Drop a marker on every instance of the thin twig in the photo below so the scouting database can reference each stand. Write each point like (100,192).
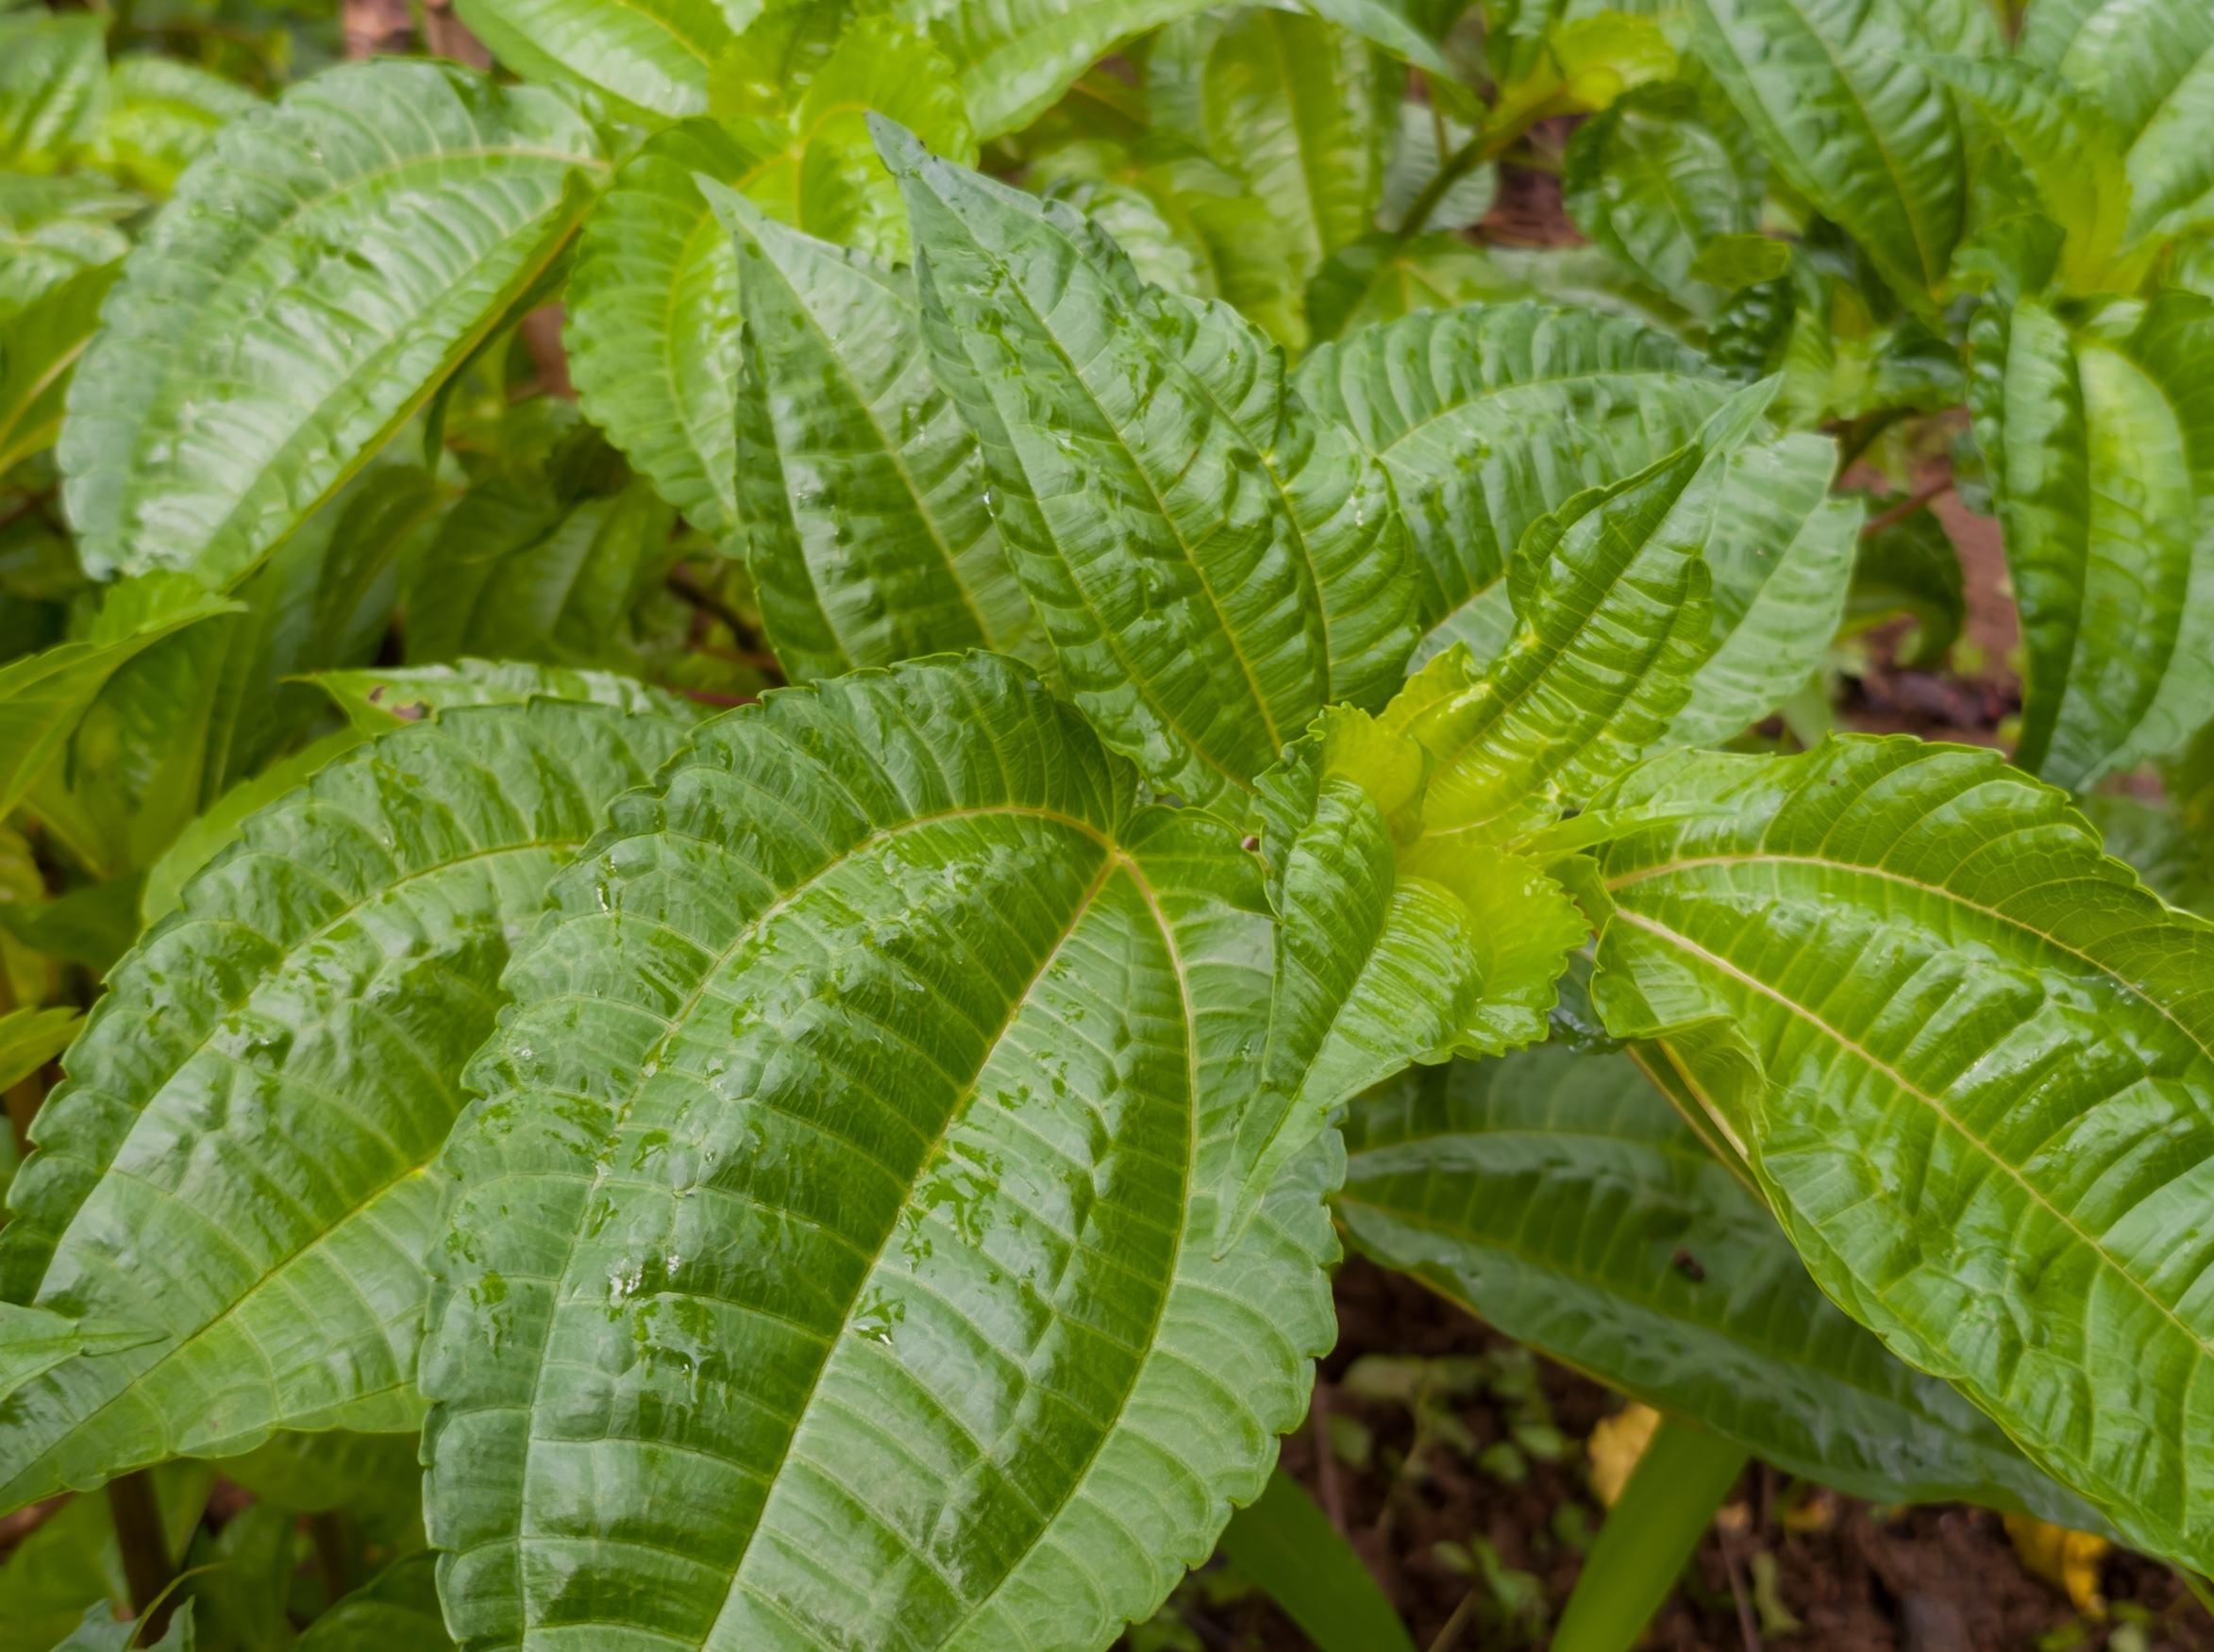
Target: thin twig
(1748,1625)
(1907,507)
(1333,1494)
(1455,1624)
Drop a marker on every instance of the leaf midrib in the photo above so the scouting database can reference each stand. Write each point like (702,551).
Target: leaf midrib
(2064,1221)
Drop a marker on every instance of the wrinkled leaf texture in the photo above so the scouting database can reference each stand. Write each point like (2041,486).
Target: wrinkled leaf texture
(239,1159)
(309,285)
(831,1263)
(1975,1079)
(1015,58)
(1552,1192)
(1211,561)
(866,529)
(647,58)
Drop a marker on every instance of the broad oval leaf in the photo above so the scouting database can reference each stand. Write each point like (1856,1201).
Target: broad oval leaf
(1834,92)
(830,1262)
(396,1608)
(302,1023)
(313,281)
(647,58)
(652,328)
(1558,1197)
(866,528)
(1491,416)
(1973,1072)
(162,115)
(1212,562)
(2103,471)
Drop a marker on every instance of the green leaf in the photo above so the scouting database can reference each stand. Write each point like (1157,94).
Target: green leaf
(1652,184)
(53,73)
(162,114)
(1212,562)
(1381,278)
(33,1341)
(1546,402)
(397,1608)
(44,695)
(103,1632)
(1423,140)
(652,329)
(1648,1536)
(31,1038)
(339,964)
(649,58)
(327,266)
(2102,451)
(1835,93)
(72,1558)
(1908,566)
(1288,1547)
(1781,553)
(1388,23)
(1390,947)
(1989,1099)
(521,571)
(39,345)
(1550,1193)
(1015,58)
(841,1294)
(53,227)
(93,924)
(375,1477)
(2072,153)
(1302,110)
(868,533)
(384,697)
(2159,847)
(2149,64)
(1734,262)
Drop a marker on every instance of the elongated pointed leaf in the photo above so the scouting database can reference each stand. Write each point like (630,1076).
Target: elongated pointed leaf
(1612,618)
(302,1022)
(1844,111)
(647,58)
(1287,1545)
(1490,417)
(39,345)
(1381,278)
(313,281)
(162,114)
(1781,553)
(34,1340)
(381,698)
(2103,476)
(44,695)
(1552,1193)
(1973,1075)
(1212,562)
(397,1608)
(1015,58)
(52,227)
(866,530)
(53,70)
(838,1294)
(652,328)
(1300,109)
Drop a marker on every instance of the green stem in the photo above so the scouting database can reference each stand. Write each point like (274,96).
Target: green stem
(1464,160)
(145,1551)
(1649,1536)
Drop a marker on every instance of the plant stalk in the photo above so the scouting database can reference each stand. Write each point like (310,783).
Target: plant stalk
(147,1566)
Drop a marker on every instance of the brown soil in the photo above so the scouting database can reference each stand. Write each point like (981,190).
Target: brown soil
(1941,1579)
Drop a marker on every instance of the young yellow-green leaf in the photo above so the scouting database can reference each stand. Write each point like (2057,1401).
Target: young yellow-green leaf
(649,58)
(315,278)
(1975,1078)
(866,530)
(1492,416)
(1390,947)
(831,1263)
(1212,562)
(652,329)
(1015,58)
(1833,91)
(162,114)
(1302,110)
(2103,469)
(31,1038)
(1552,1193)
(2149,64)
(2070,151)
(1612,617)
(39,345)
(44,695)
(53,81)
(336,967)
